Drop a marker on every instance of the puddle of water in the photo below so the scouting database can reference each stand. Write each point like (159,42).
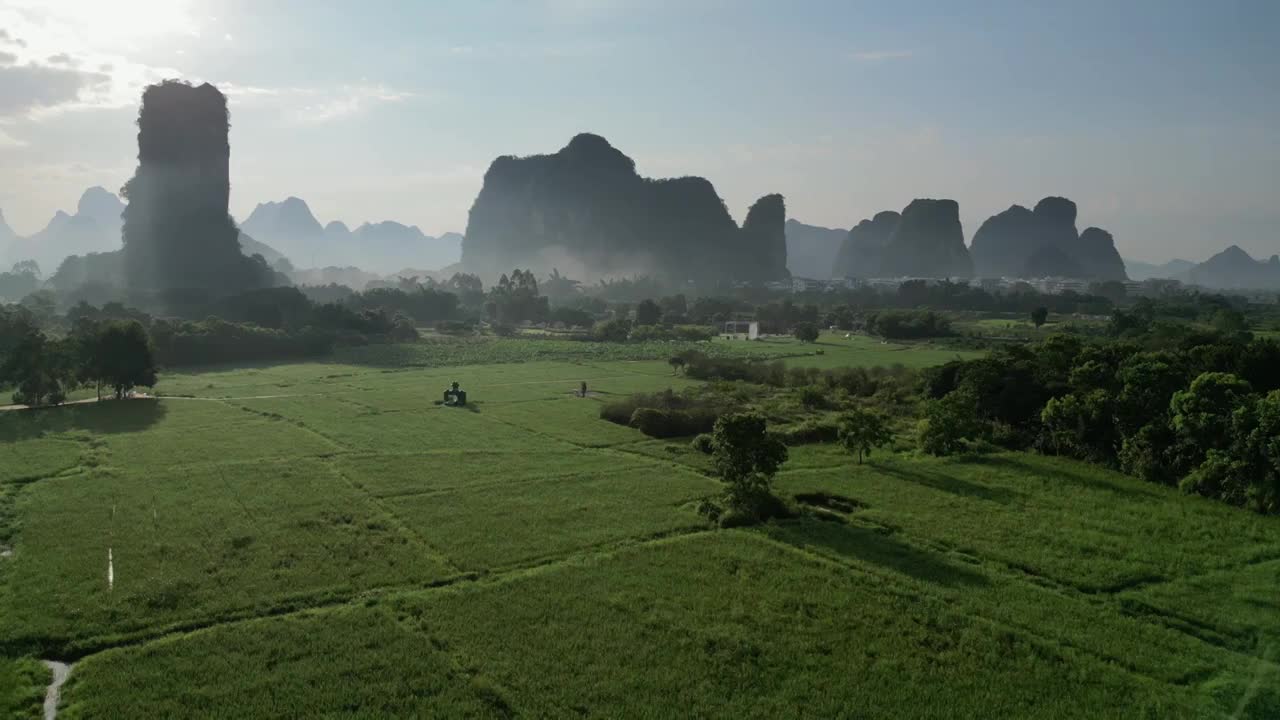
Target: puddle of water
(60,673)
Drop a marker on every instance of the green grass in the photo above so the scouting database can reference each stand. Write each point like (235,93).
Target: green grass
(321,540)
(865,351)
(22,684)
(353,662)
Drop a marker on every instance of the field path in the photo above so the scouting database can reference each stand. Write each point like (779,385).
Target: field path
(60,673)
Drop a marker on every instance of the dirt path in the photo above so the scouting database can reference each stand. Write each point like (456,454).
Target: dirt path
(60,673)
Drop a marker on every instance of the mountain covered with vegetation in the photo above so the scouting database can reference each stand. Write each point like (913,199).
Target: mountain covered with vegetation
(587,208)
(1044,243)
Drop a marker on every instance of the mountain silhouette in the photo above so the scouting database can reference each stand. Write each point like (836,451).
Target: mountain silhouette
(1235,269)
(383,247)
(95,227)
(862,252)
(1044,243)
(812,249)
(585,207)
(928,242)
(1174,269)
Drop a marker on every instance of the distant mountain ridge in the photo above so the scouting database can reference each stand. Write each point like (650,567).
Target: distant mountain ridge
(1174,269)
(387,246)
(95,227)
(812,249)
(1235,269)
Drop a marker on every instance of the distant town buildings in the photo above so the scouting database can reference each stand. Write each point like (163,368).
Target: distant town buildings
(1047,285)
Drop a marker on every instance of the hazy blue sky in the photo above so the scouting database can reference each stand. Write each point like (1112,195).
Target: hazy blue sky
(1159,118)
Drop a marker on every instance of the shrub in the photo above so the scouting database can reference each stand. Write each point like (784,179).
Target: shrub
(666,414)
(453,327)
(702,443)
(612,330)
(805,331)
(807,433)
(812,396)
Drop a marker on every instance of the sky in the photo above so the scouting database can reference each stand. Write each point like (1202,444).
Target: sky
(1160,119)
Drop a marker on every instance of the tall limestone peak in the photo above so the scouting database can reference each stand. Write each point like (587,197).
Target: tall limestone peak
(862,253)
(928,242)
(1096,252)
(1004,242)
(1057,210)
(764,240)
(585,204)
(177,231)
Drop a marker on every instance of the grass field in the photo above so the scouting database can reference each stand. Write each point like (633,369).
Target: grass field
(321,540)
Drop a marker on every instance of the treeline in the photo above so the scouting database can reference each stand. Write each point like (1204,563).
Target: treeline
(1202,414)
(112,354)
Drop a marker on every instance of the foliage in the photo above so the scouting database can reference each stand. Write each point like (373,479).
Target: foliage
(1040,316)
(907,324)
(668,413)
(424,305)
(616,330)
(862,431)
(648,313)
(805,332)
(515,299)
(571,317)
(746,457)
(41,369)
(949,424)
(19,282)
(687,333)
(119,355)
(807,432)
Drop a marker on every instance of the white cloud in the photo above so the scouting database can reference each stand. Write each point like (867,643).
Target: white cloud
(9,141)
(314,106)
(879,56)
(50,45)
(346,101)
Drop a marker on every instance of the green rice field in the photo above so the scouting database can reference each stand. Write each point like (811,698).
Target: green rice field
(322,540)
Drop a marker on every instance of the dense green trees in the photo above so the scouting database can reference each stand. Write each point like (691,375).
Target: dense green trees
(114,353)
(515,299)
(907,324)
(21,281)
(118,355)
(1182,414)
(805,332)
(1040,316)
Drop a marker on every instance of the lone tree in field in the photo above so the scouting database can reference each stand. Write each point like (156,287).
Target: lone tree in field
(1040,316)
(746,457)
(677,364)
(805,332)
(120,356)
(862,431)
